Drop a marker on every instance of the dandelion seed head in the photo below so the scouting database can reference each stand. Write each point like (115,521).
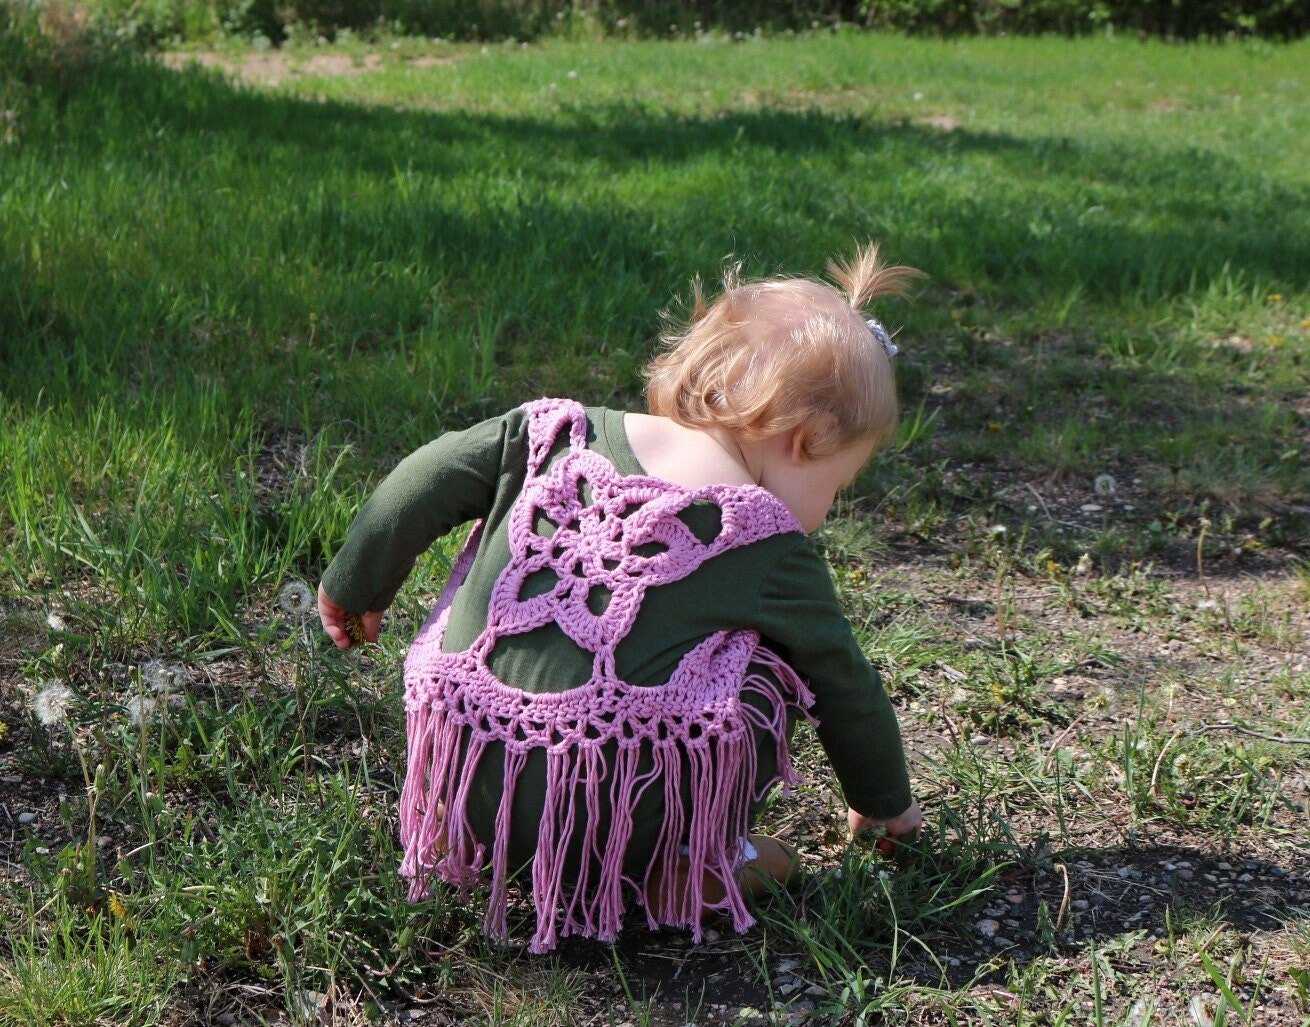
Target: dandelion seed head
(1105,485)
(52,703)
(141,708)
(163,678)
(55,622)
(1084,565)
(296,599)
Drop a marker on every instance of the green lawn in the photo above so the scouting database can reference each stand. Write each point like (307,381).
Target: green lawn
(231,300)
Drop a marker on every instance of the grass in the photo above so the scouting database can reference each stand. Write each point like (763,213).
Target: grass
(229,304)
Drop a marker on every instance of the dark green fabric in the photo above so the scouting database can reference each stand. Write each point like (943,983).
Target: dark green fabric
(779,586)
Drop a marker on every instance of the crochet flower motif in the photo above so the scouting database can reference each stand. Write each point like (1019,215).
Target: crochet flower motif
(587,541)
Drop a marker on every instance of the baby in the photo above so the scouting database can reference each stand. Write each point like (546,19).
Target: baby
(605,690)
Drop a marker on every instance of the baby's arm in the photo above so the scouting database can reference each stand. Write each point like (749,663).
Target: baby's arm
(799,611)
(437,487)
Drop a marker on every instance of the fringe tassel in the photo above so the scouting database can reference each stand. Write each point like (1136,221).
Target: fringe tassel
(496,920)
(444,751)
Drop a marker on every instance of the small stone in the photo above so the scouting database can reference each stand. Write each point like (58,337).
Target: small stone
(1245,877)
(987,928)
(798,1014)
(711,936)
(1211,878)
(995,911)
(104,841)
(748,1015)
(1224,866)
(27,818)
(1186,874)
(1000,941)
(815,989)
(1090,508)
(1011,923)
(1014,898)
(1080,904)
(1145,899)
(788,965)
(12,779)
(226,1019)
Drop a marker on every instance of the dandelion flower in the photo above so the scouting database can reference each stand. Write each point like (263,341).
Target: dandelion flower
(296,599)
(52,703)
(118,908)
(1105,485)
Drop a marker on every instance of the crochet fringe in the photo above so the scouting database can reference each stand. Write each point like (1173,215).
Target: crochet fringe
(454,709)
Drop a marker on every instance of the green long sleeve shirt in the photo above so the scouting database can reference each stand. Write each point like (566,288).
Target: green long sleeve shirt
(780,586)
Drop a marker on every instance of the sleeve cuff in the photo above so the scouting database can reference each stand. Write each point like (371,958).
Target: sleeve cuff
(882,805)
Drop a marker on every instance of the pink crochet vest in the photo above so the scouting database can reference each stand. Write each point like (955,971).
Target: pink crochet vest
(455,705)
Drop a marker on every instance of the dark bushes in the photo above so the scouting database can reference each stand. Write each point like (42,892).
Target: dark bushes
(159,20)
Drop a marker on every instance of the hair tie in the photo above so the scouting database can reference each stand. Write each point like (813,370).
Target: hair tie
(880,333)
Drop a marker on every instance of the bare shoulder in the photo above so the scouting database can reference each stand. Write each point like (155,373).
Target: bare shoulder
(681,455)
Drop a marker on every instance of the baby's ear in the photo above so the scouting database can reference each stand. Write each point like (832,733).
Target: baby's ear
(815,428)
(798,443)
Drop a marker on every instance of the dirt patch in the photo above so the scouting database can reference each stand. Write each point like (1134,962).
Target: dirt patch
(430,61)
(941,122)
(274,66)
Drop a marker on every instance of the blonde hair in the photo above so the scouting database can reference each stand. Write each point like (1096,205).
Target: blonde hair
(771,355)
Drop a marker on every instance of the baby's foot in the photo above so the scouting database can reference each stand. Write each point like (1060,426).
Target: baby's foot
(775,862)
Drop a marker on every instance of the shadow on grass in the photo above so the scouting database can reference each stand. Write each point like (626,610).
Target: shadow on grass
(995,208)
(1216,216)
(1188,894)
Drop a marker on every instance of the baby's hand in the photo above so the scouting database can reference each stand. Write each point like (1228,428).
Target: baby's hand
(337,622)
(902,827)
